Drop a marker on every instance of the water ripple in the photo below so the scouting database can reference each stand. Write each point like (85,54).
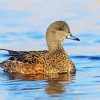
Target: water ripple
(4,55)
(87,57)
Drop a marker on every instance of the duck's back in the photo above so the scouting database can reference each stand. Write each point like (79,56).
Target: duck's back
(30,57)
(32,62)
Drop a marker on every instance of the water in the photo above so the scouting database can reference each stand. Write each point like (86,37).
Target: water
(84,85)
(22,27)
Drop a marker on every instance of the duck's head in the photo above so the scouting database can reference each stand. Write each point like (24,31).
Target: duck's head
(58,31)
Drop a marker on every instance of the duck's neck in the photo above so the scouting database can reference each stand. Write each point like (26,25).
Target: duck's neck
(52,43)
(55,46)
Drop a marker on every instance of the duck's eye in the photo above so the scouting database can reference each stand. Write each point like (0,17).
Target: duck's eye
(60,28)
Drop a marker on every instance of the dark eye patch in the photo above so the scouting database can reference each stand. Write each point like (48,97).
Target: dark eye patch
(60,28)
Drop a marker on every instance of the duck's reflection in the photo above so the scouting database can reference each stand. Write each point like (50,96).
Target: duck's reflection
(55,82)
(54,87)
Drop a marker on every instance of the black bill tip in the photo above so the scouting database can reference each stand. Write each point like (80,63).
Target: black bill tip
(77,39)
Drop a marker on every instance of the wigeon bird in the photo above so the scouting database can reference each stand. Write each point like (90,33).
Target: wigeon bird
(53,60)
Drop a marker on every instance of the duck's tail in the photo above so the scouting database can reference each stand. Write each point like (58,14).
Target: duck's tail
(1,65)
(11,52)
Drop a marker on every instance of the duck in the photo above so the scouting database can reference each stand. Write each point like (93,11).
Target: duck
(55,60)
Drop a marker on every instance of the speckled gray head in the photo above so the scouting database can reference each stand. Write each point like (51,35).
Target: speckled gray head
(58,31)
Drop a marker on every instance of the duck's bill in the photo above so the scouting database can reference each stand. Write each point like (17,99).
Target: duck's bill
(73,38)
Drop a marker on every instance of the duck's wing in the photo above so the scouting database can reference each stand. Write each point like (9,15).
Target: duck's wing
(28,57)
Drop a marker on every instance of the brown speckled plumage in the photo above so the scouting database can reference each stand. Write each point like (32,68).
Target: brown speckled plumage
(55,60)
